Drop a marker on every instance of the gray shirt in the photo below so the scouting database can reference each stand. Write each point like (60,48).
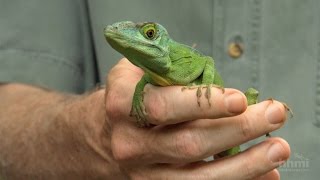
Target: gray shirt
(60,44)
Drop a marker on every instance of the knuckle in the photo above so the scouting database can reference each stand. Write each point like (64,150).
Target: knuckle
(122,151)
(113,109)
(156,107)
(248,169)
(188,144)
(114,71)
(119,152)
(245,126)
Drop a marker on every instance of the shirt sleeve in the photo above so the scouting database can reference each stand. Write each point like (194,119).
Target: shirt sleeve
(47,43)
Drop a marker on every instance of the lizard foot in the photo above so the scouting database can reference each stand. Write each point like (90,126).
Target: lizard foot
(288,109)
(138,110)
(199,91)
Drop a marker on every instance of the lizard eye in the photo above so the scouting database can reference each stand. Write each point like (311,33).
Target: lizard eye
(149,31)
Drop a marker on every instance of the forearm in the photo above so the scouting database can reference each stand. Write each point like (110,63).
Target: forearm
(44,133)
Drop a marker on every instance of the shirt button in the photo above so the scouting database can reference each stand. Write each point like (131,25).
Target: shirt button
(235,50)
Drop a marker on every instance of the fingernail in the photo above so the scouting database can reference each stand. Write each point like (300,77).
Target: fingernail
(235,103)
(276,153)
(273,114)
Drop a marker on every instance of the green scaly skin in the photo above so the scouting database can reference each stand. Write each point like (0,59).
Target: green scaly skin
(165,62)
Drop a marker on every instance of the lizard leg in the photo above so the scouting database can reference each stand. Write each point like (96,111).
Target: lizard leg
(138,109)
(211,78)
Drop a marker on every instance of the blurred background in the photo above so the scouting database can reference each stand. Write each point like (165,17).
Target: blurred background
(273,46)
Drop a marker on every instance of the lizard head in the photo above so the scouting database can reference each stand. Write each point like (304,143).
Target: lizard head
(145,44)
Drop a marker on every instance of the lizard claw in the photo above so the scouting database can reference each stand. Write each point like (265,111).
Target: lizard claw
(208,94)
(268,135)
(208,91)
(288,109)
(219,87)
(199,94)
(199,91)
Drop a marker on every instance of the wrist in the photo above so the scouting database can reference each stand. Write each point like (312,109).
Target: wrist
(87,117)
(43,130)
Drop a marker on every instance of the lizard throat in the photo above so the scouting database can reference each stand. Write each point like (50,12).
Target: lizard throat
(159,80)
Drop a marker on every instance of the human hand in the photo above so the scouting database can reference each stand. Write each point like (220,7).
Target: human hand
(50,135)
(185,134)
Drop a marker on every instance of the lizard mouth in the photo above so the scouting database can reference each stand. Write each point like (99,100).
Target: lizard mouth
(114,38)
(111,33)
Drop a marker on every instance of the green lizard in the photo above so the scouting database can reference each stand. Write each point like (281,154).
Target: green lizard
(165,62)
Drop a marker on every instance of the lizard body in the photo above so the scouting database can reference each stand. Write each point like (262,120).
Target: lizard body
(165,62)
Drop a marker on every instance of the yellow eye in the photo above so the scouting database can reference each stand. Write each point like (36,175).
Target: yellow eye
(149,31)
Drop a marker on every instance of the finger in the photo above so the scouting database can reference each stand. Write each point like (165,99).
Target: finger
(272,175)
(170,105)
(195,140)
(199,139)
(254,162)
(258,120)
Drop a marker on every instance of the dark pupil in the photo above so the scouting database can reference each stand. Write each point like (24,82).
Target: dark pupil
(150,33)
